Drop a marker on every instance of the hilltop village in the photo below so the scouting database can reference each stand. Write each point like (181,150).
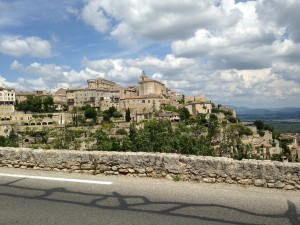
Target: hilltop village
(143,117)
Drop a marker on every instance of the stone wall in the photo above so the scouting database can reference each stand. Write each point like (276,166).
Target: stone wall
(173,166)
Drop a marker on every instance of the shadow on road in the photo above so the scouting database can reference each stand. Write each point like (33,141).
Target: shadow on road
(135,203)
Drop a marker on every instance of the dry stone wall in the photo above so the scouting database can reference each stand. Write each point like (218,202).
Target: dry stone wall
(158,165)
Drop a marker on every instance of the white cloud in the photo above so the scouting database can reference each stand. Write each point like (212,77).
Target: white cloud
(201,44)
(245,52)
(33,46)
(93,14)
(268,87)
(252,87)
(156,19)
(123,34)
(51,76)
(16,65)
(7,84)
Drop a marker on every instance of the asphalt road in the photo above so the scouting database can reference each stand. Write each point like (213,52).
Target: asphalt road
(129,200)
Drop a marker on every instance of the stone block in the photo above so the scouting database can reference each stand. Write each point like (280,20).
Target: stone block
(149,169)
(131,170)
(140,170)
(289,187)
(209,180)
(114,168)
(123,171)
(259,182)
(229,180)
(245,182)
(279,184)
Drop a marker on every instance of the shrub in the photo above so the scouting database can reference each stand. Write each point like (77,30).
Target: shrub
(121,132)
(232,119)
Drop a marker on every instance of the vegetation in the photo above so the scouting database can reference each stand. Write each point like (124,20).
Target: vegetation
(260,125)
(111,112)
(127,115)
(170,108)
(202,134)
(91,113)
(184,114)
(36,104)
(10,141)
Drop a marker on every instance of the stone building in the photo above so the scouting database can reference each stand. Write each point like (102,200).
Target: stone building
(197,107)
(37,119)
(101,98)
(172,116)
(60,98)
(7,100)
(101,83)
(148,86)
(142,102)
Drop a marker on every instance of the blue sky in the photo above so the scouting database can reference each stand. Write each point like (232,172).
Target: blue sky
(243,53)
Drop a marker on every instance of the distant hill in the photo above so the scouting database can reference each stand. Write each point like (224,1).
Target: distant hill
(287,113)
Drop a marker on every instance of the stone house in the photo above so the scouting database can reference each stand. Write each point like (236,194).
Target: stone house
(7,100)
(148,86)
(197,107)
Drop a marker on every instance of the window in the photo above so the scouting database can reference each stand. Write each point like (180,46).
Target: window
(143,101)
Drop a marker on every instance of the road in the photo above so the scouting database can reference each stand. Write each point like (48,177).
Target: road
(130,200)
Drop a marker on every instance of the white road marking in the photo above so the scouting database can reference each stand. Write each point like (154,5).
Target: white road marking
(57,179)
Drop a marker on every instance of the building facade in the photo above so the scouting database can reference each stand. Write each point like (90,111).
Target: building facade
(7,100)
(148,86)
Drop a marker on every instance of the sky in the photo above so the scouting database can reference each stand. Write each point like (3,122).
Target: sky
(242,53)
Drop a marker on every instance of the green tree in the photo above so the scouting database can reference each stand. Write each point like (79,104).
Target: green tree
(36,104)
(107,114)
(117,114)
(184,114)
(127,115)
(169,108)
(103,142)
(48,104)
(91,113)
(121,132)
(12,139)
(2,141)
(259,124)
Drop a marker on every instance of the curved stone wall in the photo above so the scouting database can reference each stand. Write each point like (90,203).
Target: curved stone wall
(259,173)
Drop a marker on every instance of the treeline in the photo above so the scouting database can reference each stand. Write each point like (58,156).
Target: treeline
(36,104)
(201,137)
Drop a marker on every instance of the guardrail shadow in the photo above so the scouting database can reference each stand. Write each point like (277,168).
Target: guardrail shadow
(136,203)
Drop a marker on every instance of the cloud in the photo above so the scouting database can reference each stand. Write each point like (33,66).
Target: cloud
(123,34)
(281,13)
(203,43)
(33,46)
(157,20)
(269,86)
(93,14)
(7,84)
(244,52)
(51,76)
(190,76)
(288,71)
